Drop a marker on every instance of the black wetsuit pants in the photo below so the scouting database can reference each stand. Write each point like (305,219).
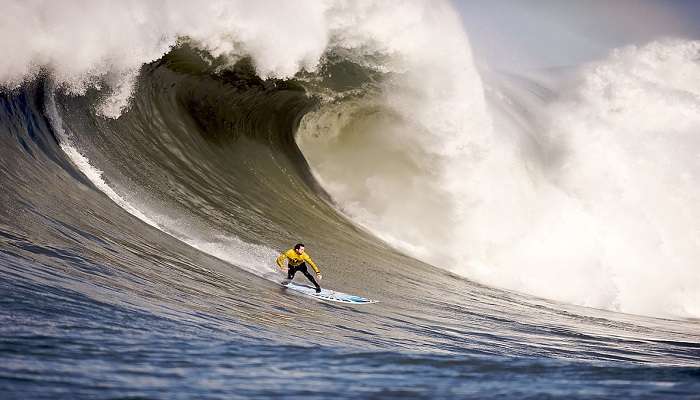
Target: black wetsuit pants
(291,270)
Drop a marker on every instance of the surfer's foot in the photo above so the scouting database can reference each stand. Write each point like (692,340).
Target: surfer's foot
(286,282)
(318,290)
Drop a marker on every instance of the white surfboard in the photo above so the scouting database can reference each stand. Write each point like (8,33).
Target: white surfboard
(328,295)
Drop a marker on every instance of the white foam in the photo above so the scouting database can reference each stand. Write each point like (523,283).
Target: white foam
(398,163)
(82,43)
(605,214)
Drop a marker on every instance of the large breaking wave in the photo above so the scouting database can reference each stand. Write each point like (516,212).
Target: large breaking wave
(584,190)
(580,186)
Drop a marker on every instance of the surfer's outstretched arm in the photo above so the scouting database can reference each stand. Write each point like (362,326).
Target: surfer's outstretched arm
(280,261)
(309,261)
(313,265)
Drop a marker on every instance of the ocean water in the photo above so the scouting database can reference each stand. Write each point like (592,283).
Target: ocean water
(527,235)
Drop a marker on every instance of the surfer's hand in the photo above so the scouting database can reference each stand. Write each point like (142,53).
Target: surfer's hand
(319,276)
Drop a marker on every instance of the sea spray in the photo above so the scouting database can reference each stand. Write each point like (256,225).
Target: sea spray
(598,208)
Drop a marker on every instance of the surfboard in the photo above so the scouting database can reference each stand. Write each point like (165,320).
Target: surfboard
(328,295)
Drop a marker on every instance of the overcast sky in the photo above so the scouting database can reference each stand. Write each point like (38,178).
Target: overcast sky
(516,34)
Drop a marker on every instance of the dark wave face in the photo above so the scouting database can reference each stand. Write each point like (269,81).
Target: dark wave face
(132,255)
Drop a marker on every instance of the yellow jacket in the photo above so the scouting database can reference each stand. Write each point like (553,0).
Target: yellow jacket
(296,259)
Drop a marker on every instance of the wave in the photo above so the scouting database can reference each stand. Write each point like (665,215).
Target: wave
(235,141)
(577,179)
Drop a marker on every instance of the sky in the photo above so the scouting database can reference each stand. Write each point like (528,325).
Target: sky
(517,34)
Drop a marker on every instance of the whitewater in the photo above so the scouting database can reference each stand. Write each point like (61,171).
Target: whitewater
(157,156)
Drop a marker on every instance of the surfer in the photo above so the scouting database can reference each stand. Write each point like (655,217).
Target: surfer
(297,262)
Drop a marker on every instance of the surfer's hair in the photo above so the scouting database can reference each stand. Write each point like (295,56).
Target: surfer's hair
(298,246)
